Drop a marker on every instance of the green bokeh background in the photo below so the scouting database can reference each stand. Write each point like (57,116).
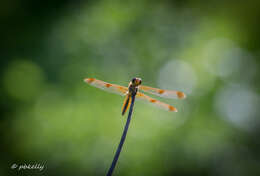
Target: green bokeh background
(208,49)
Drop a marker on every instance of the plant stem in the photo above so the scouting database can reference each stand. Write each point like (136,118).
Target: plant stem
(119,148)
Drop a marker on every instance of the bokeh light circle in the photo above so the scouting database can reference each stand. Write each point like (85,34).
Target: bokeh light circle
(23,80)
(178,75)
(238,105)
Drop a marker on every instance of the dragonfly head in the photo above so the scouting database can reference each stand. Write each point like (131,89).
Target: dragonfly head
(136,81)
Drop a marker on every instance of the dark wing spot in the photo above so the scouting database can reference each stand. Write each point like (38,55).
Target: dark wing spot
(171,108)
(108,85)
(120,88)
(161,91)
(181,95)
(152,100)
(89,80)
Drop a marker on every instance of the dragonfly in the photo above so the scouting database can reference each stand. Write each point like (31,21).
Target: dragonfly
(133,88)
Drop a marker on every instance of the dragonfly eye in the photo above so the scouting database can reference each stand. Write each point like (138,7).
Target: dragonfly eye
(136,81)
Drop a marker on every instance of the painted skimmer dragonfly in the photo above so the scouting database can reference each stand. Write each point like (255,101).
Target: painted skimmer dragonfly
(134,87)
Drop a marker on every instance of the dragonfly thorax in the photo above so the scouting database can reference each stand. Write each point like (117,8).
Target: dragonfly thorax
(132,89)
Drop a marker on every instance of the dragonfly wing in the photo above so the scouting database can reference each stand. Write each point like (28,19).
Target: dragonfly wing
(157,103)
(113,88)
(163,93)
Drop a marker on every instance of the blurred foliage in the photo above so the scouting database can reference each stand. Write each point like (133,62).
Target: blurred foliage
(210,50)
